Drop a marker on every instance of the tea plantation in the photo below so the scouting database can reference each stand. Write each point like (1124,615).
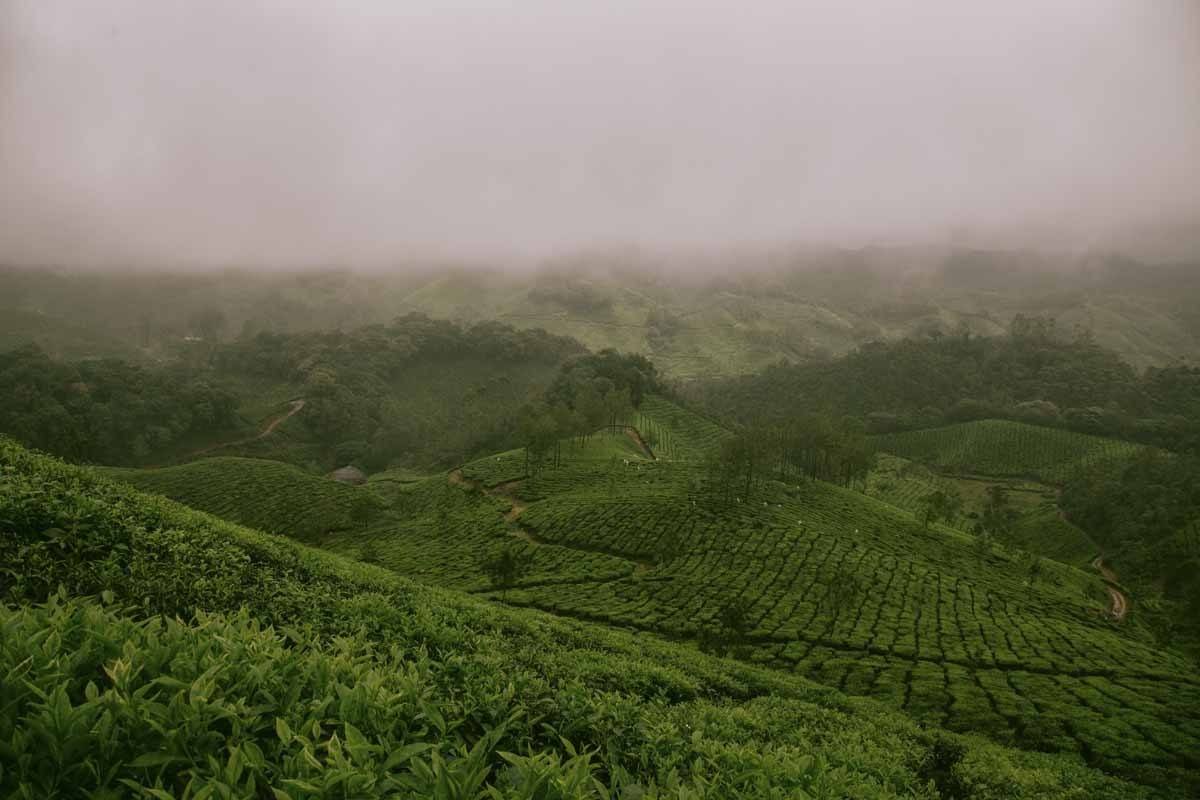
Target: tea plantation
(269,495)
(806,581)
(1001,447)
(149,650)
(1037,525)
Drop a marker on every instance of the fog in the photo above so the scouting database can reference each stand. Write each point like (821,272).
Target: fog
(238,133)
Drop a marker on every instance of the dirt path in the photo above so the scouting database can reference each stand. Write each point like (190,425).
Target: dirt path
(636,435)
(268,429)
(1119,604)
(508,491)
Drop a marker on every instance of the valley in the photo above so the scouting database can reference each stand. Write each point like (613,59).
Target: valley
(935,553)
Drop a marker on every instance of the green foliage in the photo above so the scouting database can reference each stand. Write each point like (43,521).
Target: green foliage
(267,495)
(507,566)
(682,434)
(857,594)
(1146,514)
(417,390)
(107,411)
(1002,448)
(1034,375)
(605,371)
(367,685)
(941,504)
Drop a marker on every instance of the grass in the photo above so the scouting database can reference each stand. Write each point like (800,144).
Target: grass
(220,661)
(1004,448)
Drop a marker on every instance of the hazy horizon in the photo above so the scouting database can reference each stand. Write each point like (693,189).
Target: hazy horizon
(371,134)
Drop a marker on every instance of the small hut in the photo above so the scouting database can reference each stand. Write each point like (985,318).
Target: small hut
(349,474)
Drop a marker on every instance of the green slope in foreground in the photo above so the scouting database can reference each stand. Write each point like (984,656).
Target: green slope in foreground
(832,586)
(294,673)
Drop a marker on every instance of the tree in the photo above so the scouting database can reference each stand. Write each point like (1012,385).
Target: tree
(731,628)
(941,504)
(1035,569)
(589,402)
(617,406)
(998,516)
(208,323)
(843,588)
(539,434)
(506,566)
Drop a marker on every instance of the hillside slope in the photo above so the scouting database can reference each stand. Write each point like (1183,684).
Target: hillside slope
(369,685)
(268,495)
(698,315)
(809,579)
(1005,448)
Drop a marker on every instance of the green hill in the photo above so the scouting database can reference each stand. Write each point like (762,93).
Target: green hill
(1038,525)
(282,668)
(1004,448)
(713,315)
(812,580)
(268,495)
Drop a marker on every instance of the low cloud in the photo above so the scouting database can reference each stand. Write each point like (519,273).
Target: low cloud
(265,134)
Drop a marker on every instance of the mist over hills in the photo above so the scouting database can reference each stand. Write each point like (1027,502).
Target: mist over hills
(706,312)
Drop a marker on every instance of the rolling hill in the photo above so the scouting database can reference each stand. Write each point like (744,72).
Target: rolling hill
(323,677)
(809,580)
(698,315)
(1007,449)
(268,495)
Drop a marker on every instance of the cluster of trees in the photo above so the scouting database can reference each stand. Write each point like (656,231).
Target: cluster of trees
(603,372)
(108,411)
(361,407)
(813,446)
(1037,374)
(590,393)
(1146,515)
(383,351)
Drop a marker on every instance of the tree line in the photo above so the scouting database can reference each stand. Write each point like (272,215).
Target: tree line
(107,411)
(1037,373)
(812,446)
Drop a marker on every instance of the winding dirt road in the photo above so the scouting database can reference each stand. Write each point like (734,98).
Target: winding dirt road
(1119,603)
(268,429)
(508,491)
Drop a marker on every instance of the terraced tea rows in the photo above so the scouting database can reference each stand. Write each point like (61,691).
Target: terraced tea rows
(346,681)
(854,594)
(1037,526)
(268,495)
(825,582)
(1001,447)
(676,433)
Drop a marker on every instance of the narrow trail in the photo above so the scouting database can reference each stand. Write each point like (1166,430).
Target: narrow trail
(508,492)
(268,429)
(1119,603)
(636,435)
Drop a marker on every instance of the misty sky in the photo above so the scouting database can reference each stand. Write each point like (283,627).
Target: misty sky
(236,132)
